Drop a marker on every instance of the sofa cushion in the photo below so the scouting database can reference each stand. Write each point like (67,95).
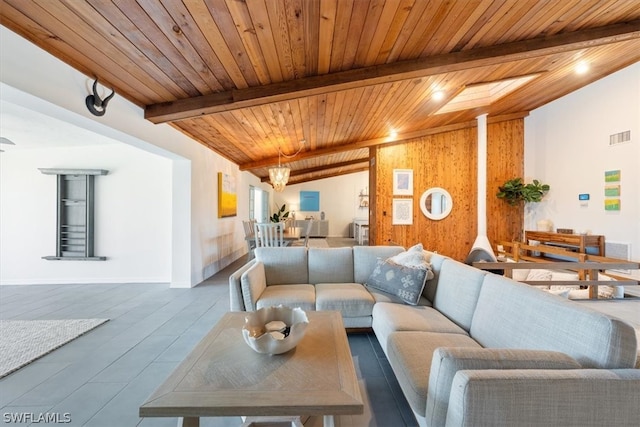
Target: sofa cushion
(410,355)
(380,296)
(330,265)
(390,317)
(524,397)
(405,283)
(430,287)
(253,283)
(303,296)
(457,293)
(350,299)
(447,361)
(531,319)
(365,258)
(284,265)
(357,322)
(236,299)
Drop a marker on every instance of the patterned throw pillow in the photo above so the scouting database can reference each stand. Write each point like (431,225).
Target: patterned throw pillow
(404,282)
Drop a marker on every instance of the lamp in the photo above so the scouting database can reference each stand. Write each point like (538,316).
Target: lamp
(279,176)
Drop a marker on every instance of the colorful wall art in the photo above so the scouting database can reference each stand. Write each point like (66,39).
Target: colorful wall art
(612,190)
(227,197)
(309,201)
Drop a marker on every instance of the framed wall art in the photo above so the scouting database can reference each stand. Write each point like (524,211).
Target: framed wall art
(403,182)
(402,212)
(309,201)
(227,197)
(612,190)
(611,204)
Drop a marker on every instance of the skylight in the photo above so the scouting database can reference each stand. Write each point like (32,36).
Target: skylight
(483,94)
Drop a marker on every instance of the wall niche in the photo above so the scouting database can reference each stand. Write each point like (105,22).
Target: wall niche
(75,219)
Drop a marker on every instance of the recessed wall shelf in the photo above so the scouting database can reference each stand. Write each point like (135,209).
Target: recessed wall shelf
(75,219)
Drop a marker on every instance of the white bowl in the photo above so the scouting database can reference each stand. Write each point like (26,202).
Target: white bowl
(260,340)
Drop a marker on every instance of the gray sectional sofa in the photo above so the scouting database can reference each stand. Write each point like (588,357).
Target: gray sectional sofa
(477,350)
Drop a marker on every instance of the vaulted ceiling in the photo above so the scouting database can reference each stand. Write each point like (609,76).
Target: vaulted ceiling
(249,77)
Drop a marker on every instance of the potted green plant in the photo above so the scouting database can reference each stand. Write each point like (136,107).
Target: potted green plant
(280,214)
(515,191)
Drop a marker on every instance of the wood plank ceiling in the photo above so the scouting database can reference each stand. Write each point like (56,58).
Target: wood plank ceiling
(247,77)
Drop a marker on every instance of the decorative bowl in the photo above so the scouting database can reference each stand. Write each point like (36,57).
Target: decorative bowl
(274,330)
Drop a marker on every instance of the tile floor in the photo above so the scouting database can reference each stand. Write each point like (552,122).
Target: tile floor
(101,378)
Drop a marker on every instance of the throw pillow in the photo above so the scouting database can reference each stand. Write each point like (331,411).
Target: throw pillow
(404,282)
(519,275)
(539,275)
(414,257)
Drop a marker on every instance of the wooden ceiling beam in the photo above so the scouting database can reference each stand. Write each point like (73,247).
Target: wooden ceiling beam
(331,175)
(322,168)
(244,98)
(329,167)
(327,175)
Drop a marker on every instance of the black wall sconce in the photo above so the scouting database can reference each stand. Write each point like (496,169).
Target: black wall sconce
(96,105)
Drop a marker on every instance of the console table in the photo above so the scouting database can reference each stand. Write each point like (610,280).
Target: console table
(580,241)
(319,228)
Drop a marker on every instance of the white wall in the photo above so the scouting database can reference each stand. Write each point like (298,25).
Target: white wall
(338,199)
(567,147)
(132,219)
(201,244)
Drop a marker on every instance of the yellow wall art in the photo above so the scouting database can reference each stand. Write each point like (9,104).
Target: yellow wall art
(611,204)
(227,197)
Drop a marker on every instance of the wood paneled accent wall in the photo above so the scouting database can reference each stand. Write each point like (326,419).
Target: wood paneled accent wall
(448,160)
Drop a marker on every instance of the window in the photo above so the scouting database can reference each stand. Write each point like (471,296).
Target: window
(258,204)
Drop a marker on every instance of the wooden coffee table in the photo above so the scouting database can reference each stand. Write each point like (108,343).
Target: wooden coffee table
(223,376)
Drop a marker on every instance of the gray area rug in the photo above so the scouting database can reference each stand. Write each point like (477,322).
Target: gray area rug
(23,341)
(341,242)
(318,243)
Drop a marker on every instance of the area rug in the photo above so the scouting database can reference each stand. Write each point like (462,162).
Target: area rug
(23,341)
(318,243)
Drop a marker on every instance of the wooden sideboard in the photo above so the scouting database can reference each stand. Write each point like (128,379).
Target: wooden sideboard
(579,241)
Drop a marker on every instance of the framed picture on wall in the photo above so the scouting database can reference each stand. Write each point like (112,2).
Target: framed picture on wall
(403,182)
(402,212)
(310,201)
(227,197)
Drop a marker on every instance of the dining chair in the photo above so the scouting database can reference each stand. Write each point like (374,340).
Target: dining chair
(269,234)
(250,235)
(307,232)
(364,235)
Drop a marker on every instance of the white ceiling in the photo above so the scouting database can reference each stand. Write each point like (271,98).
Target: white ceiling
(29,129)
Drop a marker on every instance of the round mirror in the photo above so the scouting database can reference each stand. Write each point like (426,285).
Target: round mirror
(436,203)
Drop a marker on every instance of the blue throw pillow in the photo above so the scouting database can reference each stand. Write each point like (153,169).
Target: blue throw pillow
(403,282)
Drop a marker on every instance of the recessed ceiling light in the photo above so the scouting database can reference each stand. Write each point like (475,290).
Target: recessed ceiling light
(393,134)
(582,67)
(438,95)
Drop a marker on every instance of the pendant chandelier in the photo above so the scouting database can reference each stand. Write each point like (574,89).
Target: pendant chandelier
(279,176)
